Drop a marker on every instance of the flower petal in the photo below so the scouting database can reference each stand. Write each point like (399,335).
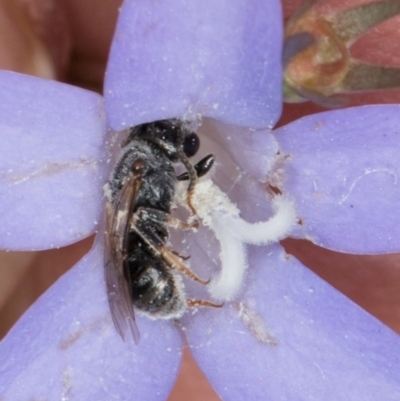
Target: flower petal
(344,172)
(66,346)
(217,59)
(297,338)
(51,170)
(238,147)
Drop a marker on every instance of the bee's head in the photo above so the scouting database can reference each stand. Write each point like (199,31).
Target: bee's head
(169,136)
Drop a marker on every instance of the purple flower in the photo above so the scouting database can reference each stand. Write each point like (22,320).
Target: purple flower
(289,335)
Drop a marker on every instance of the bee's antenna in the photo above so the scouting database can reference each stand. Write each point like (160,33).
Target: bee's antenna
(190,169)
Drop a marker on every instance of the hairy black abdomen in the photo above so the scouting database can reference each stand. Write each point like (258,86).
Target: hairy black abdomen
(154,291)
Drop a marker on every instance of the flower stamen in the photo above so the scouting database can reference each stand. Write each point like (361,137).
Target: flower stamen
(218,213)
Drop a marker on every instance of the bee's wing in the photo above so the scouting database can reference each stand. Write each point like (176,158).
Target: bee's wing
(117,228)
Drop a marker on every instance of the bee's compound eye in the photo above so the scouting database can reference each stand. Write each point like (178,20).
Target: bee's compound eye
(191,144)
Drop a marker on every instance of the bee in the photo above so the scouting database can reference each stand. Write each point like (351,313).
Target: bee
(140,269)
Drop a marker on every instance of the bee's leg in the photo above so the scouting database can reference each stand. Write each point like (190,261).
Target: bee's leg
(192,303)
(176,223)
(142,221)
(192,174)
(179,255)
(156,240)
(158,216)
(192,177)
(202,168)
(176,264)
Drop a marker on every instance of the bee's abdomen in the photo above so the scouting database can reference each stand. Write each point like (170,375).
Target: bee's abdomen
(157,293)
